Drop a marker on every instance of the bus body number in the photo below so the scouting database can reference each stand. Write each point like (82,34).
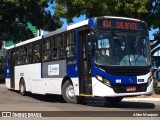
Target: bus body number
(21,74)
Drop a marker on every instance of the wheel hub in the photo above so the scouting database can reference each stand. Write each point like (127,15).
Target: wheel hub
(22,88)
(70,92)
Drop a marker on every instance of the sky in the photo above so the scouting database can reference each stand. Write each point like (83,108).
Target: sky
(151,32)
(75,20)
(82,17)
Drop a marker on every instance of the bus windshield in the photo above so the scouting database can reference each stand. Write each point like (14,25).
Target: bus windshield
(122,49)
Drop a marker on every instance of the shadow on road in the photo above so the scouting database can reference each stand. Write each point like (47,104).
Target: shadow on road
(94,102)
(100,102)
(47,98)
(2,82)
(43,98)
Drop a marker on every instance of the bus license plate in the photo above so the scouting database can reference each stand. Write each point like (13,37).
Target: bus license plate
(131,89)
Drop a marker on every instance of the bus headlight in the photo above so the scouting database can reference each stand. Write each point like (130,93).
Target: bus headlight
(103,80)
(107,82)
(149,80)
(99,78)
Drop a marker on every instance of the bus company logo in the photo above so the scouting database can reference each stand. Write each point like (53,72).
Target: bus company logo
(118,80)
(76,69)
(6,114)
(53,69)
(21,74)
(130,80)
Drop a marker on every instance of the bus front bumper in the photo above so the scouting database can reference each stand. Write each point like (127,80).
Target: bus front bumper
(100,89)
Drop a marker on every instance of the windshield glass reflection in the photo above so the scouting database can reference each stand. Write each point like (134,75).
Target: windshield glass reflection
(122,49)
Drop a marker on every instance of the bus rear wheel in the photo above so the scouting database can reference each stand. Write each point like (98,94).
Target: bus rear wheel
(113,100)
(22,88)
(69,94)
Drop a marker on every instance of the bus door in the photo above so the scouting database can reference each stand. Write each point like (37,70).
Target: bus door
(11,64)
(84,65)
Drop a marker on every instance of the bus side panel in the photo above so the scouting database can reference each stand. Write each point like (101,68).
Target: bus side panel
(53,85)
(28,72)
(8,83)
(38,86)
(54,69)
(53,73)
(75,82)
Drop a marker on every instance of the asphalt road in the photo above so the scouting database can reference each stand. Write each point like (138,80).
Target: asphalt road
(96,108)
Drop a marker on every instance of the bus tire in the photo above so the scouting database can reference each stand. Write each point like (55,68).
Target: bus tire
(68,93)
(22,88)
(113,100)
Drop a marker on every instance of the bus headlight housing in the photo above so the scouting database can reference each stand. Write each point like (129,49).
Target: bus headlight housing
(99,78)
(103,80)
(107,82)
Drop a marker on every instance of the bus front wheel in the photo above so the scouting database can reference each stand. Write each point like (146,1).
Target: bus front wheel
(113,100)
(69,94)
(22,88)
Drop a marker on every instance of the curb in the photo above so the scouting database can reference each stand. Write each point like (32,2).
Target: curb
(141,99)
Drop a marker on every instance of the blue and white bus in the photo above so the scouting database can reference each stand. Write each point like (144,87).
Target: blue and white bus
(103,56)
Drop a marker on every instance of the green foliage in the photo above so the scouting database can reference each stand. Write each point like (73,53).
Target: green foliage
(147,10)
(15,14)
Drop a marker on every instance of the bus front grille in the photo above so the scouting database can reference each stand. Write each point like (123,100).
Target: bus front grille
(127,73)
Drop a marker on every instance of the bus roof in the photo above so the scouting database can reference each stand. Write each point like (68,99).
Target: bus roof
(70,27)
(85,22)
(25,42)
(126,18)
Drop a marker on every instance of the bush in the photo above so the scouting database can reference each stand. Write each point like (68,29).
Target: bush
(157,90)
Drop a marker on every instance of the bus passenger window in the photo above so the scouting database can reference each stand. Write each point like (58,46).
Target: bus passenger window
(29,49)
(57,51)
(36,54)
(54,50)
(17,52)
(29,59)
(18,60)
(46,55)
(36,57)
(29,54)
(54,53)
(64,46)
(70,51)
(71,43)
(59,45)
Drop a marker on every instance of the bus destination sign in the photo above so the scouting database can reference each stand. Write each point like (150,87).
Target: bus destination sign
(121,24)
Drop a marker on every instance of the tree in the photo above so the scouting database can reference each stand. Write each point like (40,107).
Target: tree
(147,10)
(15,14)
